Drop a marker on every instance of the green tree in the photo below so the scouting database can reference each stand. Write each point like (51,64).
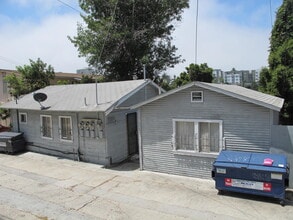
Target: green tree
(32,77)
(279,79)
(87,79)
(16,85)
(164,81)
(181,80)
(63,82)
(265,80)
(4,113)
(119,34)
(201,72)
(194,72)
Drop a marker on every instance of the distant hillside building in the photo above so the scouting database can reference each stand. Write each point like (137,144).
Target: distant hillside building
(218,76)
(236,77)
(85,71)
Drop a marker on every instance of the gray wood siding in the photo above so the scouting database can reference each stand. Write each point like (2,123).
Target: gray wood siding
(91,149)
(116,130)
(245,127)
(143,94)
(54,146)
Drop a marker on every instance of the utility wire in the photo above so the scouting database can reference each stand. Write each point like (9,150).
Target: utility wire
(196,25)
(8,60)
(108,31)
(102,49)
(271,13)
(64,3)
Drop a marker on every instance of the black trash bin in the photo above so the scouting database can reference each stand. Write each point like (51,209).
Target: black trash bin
(12,142)
(254,173)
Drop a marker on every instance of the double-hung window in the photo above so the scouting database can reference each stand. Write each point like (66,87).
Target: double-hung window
(201,136)
(22,118)
(65,127)
(197,96)
(46,126)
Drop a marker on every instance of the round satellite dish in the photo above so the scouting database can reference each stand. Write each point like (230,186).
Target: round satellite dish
(40,97)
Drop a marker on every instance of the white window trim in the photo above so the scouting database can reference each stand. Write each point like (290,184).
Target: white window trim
(196,152)
(48,116)
(60,136)
(191,96)
(20,114)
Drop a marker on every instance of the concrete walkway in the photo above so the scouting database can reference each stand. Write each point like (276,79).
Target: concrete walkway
(35,186)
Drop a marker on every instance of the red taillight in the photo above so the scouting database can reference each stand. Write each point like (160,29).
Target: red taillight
(228,182)
(267,187)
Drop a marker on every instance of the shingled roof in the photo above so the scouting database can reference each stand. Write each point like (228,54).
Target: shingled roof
(81,97)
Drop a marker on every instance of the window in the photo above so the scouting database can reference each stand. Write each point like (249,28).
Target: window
(23,118)
(46,126)
(65,127)
(201,136)
(197,96)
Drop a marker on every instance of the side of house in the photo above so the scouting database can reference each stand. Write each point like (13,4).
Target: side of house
(72,125)
(182,133)
(66,134)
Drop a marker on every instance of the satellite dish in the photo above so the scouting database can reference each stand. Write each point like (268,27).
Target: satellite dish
(40,97)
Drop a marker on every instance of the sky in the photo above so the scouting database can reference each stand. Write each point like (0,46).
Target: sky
(230,34)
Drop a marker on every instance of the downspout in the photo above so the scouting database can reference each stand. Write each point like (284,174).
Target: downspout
(78,137)
(139,139)
(108,157)
(144,77)
(17,118)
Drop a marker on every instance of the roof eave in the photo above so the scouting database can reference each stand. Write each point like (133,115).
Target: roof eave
(231,94)
(206,86)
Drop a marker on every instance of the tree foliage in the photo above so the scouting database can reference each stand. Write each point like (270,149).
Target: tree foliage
(4,113)
(265,80)
(16,85)
(164,81)
(32,77)
(119,35)
(194,72)
(278,79)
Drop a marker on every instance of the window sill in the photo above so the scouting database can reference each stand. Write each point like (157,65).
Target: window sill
(195,154)
(66,141)
(47,138)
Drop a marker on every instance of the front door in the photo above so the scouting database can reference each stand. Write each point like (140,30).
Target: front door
(132,133)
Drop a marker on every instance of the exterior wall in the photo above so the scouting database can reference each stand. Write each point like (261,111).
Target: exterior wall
(282,138)
(143,94)
(282,143)
(92,143)
(32,134)
(246,127)
(116,124)
(116,131)
(84,148)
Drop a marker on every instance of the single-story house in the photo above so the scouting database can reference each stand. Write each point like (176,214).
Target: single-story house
(183,130)
(88,122)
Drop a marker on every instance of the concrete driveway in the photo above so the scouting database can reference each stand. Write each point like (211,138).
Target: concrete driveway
(35,186)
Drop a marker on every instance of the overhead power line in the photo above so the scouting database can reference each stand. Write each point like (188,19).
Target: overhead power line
(66,4)
(196,27)
(8,60)
(271,13)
